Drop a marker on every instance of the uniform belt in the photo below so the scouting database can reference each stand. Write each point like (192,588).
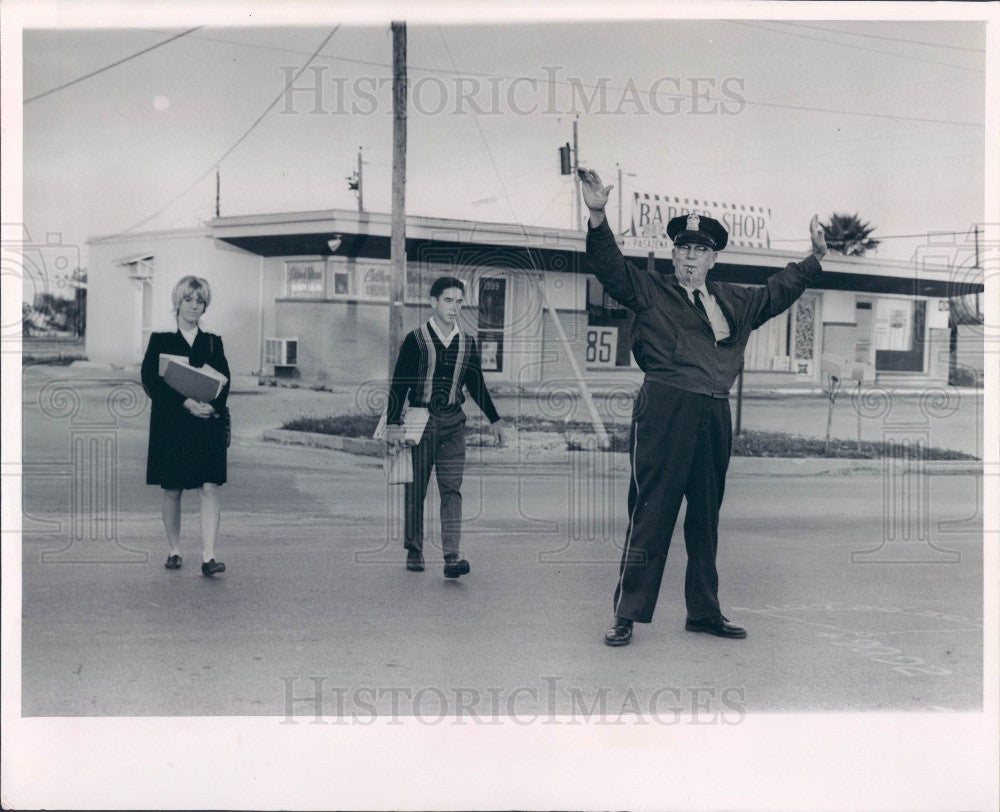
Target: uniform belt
(721,395)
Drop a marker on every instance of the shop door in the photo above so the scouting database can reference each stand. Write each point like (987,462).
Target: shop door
(908,319)
(492,308)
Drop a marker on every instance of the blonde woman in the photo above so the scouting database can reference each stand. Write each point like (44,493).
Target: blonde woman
(187,439)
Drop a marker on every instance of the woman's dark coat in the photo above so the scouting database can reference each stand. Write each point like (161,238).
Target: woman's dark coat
(184,451)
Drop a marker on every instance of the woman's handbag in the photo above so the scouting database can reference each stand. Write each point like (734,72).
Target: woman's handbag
(220,431)
(227,425)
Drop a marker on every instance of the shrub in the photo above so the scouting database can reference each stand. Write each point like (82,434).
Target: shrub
(346,425)
(579,437)
(964,376)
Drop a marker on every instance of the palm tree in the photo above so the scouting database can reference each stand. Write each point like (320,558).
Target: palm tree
(847,235)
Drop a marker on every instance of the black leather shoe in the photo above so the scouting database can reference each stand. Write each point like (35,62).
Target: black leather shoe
(212,567)
(454,566)
(620,634)
(414,561)
(719,626)
(173,562)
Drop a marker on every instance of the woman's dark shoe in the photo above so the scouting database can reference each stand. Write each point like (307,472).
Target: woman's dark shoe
(414,561)
(212,567)
(173,562)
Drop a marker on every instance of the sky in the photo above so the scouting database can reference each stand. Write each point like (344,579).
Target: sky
(880,118)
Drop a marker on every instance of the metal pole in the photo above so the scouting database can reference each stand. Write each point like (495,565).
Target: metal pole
(619,198)
(361,185)
(602,435)
(834,385)
(577,225)
(398,239)
(216,191)
(739,403)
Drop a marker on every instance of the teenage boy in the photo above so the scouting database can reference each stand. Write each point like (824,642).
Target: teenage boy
(435,362)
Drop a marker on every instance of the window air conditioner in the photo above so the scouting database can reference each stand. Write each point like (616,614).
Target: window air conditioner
(281,352)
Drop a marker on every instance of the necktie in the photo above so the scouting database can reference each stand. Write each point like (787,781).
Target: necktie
(699,303)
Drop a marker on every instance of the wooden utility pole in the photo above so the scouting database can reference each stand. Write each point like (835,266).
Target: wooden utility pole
(397,251)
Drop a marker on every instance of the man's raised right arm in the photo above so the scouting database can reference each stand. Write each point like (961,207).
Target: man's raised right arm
(619,276)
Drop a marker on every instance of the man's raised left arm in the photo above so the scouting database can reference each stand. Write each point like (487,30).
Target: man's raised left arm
(785,287)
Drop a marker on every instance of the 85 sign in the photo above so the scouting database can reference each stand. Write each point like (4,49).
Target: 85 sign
(602,346)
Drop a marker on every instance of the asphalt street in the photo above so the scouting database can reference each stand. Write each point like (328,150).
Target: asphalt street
(860,591)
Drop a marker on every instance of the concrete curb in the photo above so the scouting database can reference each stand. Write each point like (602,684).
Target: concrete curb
(512,456)
(352,445)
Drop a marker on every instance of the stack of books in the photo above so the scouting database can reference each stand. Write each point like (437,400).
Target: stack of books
(399,462)
(198,383)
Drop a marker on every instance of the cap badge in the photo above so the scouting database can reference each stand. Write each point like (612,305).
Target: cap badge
(693,223)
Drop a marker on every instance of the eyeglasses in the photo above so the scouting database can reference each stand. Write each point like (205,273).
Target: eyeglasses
(693,248)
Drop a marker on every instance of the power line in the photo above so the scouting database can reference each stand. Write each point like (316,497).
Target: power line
(112,65)
(858,47)
(605,87)
(888,39)
(489,153)
(559,193)
(879,238)
(240,140)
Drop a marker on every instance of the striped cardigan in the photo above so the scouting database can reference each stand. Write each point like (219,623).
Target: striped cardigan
(431,375)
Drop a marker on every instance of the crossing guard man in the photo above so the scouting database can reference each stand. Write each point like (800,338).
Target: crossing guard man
(436,361)
(689,337)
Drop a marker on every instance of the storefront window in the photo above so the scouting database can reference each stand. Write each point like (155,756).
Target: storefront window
(342,282)
(608,330)
(304,280)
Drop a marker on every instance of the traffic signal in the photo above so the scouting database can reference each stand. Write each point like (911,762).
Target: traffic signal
(565,162)
(352,182)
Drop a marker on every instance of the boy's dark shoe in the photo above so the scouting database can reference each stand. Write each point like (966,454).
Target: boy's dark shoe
(414,561)
(455,566)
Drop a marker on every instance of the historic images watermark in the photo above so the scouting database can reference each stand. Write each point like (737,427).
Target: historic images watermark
(90,470)
(551,93)
(41,267)
(319,701)
(908,534)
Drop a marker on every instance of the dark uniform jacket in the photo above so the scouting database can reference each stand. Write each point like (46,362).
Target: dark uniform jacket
(184,450)
(673,342)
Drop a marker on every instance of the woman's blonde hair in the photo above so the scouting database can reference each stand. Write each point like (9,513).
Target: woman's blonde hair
(191,284)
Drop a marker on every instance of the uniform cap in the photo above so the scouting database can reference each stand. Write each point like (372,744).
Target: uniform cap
(697,228)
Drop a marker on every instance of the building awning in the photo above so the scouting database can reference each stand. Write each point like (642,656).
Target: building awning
(467,244)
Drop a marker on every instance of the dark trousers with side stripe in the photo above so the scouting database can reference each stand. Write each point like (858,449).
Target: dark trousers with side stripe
(680,447)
